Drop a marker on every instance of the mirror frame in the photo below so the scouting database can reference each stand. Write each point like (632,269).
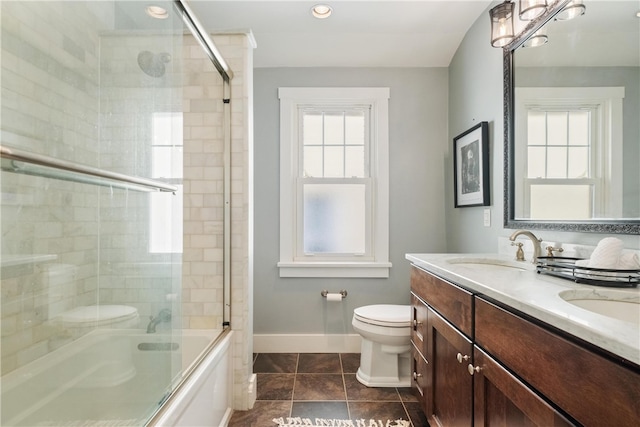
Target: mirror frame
(594,226)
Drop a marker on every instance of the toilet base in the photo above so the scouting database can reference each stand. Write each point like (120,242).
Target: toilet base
(365,379)
(384,368)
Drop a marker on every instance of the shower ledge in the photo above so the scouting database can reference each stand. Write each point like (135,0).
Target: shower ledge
(14,260)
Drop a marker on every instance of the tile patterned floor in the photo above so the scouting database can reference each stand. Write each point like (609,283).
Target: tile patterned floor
(321,385)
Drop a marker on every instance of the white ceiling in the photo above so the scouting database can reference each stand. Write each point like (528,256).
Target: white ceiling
(359,33)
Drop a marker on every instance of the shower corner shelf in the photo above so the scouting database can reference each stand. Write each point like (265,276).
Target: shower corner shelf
(20,161)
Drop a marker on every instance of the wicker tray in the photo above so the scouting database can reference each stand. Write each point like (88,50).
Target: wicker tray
(565,268)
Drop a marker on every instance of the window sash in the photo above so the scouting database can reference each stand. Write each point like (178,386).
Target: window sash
(367,254)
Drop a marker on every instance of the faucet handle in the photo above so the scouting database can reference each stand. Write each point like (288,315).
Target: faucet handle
(551,250)
(519,251)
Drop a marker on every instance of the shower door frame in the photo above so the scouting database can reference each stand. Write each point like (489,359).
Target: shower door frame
(205,41)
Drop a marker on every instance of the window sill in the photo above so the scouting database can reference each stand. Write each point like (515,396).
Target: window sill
(335,269)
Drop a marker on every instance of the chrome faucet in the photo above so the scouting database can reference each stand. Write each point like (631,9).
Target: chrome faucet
(163,316)
(536,244)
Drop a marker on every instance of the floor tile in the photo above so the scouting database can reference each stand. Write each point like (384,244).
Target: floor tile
(320,363)
(358,391)
(327,410)
(407,394)
(350,362)
(416,415)
(271,363)
(319,387)
(275,386)
(261,415)
(377,411)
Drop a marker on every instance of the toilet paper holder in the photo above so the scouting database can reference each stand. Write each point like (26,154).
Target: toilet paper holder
(325,292)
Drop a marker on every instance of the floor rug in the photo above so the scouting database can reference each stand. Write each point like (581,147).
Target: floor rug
(324,422)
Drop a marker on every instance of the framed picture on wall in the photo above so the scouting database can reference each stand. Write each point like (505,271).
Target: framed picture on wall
(471,167)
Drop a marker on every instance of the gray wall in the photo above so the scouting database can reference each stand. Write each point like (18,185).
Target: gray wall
(418,143)
(475,94)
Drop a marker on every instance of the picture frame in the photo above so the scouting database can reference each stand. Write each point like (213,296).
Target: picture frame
(471,167)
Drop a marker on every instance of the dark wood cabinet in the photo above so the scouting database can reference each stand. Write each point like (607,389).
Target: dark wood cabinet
(480,364)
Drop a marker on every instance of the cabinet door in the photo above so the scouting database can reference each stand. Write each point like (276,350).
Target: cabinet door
(500,399)
(450,393)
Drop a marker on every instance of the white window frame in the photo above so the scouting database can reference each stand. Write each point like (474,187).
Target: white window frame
(294,263)
(606,106)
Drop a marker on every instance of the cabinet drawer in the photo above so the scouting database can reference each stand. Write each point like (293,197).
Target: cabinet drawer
(420,377)
(592,389)
(419,323)
(452,302)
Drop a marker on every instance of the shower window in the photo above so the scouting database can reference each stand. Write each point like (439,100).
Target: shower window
(334,182)
(166,165)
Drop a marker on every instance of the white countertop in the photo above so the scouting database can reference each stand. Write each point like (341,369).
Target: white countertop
(538,296)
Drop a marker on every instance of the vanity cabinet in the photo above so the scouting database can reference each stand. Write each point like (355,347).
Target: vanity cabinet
(483,364)
(441,338)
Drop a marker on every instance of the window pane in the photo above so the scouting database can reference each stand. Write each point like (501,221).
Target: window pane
(166,162)
(557,128)
(312,162)
(556,162)
(334,218)
(579,128)
(354,128)
(536,162)
(167,128)
(578,162)
(334,162)
(536,127)
(354,162)
(334,128)
(164,235)
(312,128)
(561,201)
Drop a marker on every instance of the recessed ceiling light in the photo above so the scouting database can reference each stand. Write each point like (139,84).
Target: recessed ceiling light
(638,14)
(321,11)
(157,12)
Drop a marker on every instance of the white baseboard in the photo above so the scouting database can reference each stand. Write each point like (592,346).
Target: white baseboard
(308,343)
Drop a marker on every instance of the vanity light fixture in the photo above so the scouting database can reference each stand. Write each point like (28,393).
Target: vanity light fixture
(531,9)
(537,39)
(572,10)
(321,11)
(502,24)
(157,12)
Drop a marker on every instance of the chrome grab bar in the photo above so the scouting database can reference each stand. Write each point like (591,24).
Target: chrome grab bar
(113,178)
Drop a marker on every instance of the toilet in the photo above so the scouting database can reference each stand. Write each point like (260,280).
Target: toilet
(385,359)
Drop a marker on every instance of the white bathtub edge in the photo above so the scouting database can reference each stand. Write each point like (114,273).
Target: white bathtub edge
(182,408)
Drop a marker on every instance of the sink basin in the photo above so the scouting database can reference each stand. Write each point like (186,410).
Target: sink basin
(491,263)
(617,305)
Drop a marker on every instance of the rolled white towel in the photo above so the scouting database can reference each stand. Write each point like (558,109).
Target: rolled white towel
(607,253)
(629,261)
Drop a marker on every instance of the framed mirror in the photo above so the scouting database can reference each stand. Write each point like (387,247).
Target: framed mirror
(572,121)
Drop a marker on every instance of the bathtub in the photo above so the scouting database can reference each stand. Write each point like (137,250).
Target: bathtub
(124,378)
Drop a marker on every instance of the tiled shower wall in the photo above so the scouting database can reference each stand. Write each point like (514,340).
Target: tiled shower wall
(203,143)
(49,106)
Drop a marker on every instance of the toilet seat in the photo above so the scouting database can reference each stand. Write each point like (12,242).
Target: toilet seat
(98,315)
(387,315)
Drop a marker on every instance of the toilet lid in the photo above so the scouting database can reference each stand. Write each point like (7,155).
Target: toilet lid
(99,314)
(384,314)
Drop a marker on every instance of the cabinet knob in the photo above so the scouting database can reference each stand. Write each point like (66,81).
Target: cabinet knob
(416,323)
(462,358)
(416,376)
(473,369)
